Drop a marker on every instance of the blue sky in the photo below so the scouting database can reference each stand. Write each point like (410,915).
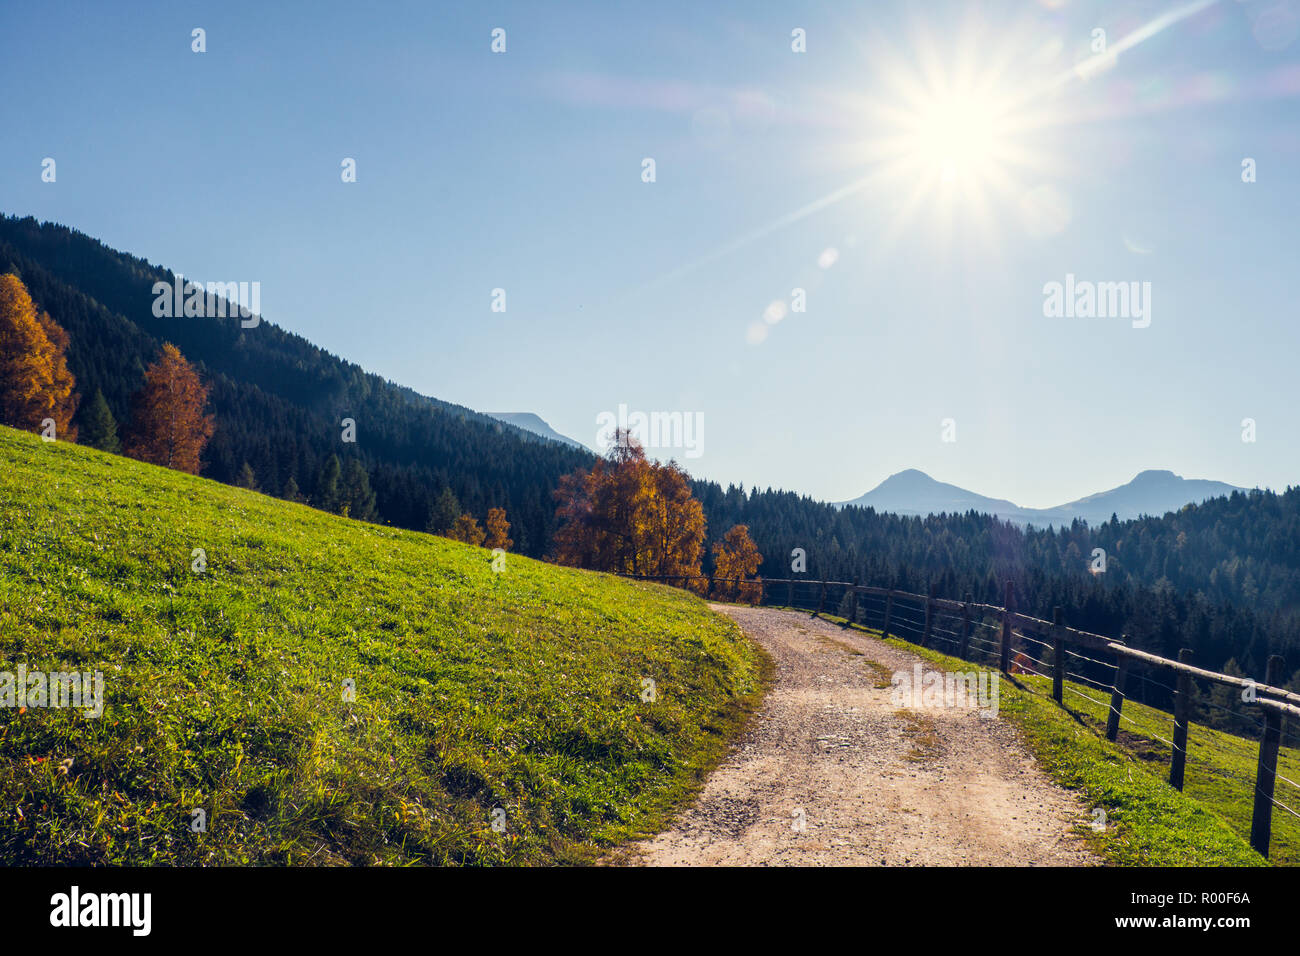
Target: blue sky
(987,162)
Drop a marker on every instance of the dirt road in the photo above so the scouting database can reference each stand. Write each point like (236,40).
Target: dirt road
(832,772)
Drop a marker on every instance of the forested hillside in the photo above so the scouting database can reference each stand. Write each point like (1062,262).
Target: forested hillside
(1222,577)
(279,400)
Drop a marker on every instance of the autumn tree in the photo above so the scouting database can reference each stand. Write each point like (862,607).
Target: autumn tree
(735,558)
(466,529)
(168,425)
(630,515)
(498,530)
(35,384)
(98,426)
(677,526)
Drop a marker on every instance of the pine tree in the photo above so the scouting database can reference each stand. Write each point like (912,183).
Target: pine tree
(358,498)
(443,512)
(329,493)
(247,479)
(98,426)
(168,426)
(291,491)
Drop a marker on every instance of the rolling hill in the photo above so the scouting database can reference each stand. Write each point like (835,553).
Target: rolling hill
(225,688)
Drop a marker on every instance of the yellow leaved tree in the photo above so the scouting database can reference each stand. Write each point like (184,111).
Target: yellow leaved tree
(36,388)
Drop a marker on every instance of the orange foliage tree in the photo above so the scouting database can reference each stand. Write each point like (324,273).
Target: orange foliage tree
(498,530)
(35,383)
(630,515)
(168,426)
(466,529)
(735,558)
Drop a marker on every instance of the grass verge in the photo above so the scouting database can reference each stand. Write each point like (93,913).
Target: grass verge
(525,691)
(1146,821)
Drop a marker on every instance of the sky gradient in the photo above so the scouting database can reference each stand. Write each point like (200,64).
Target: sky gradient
(775,170)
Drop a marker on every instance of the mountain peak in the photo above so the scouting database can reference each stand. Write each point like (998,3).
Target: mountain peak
(1151,492)
(536,425)
(909,476)
(912,491)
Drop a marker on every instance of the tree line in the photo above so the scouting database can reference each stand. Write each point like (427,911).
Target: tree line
(1215,577)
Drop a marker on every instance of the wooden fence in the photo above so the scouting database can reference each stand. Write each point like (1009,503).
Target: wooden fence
(998,634)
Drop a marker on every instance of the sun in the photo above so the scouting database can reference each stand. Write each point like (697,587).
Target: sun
(956,137)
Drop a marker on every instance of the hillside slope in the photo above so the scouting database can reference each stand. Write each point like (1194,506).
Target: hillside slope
(224,689)
(278,399)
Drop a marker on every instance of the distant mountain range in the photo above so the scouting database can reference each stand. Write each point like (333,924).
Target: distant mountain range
(535,425)
(1154,493)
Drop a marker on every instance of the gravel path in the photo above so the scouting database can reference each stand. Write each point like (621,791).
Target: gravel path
(875,784)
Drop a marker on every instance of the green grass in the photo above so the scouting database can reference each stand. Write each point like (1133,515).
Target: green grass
(474,690)
(1148,822)
(1220,768)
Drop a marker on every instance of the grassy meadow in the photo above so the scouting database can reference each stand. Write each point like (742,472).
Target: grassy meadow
(525,691)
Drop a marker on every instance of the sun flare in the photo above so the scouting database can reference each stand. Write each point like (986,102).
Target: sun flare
(956,136)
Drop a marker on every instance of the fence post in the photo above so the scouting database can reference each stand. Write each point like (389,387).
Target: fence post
(1116,697)
(1058,656)
(965,628)
(1182,709)
(929,616)
(821,603)
(1006,628)
(853,614)
(889,611)
(1261,821)
(790,594)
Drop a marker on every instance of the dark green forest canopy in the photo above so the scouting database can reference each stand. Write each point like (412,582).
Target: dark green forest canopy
(1221,577)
